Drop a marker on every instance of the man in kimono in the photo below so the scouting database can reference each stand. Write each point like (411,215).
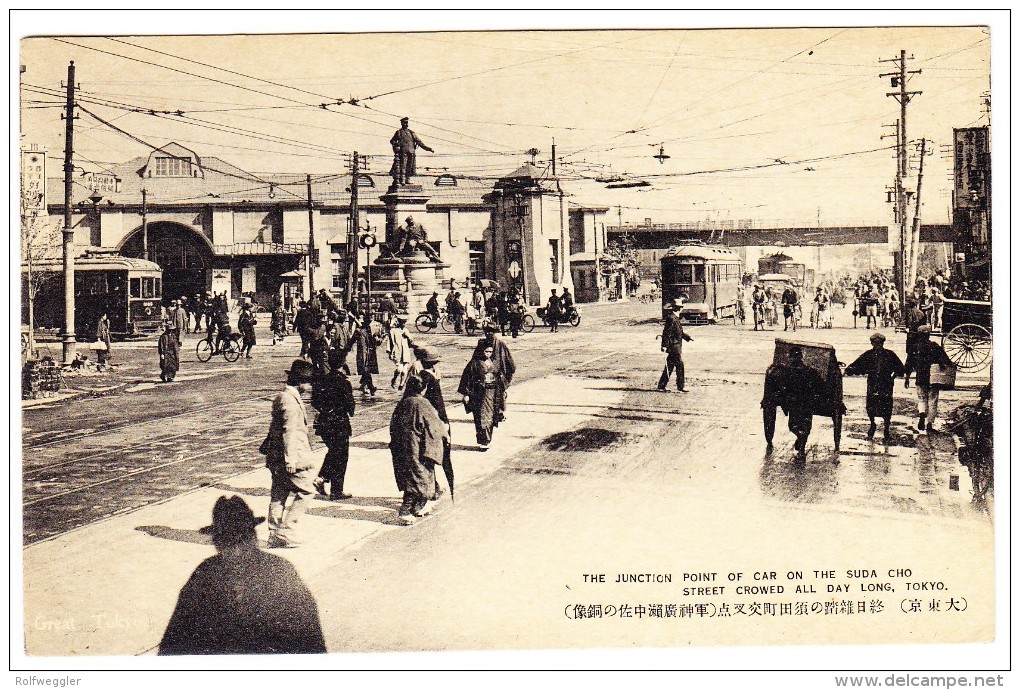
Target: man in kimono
(289,458)
(169,353)
(417,437)
(881,366)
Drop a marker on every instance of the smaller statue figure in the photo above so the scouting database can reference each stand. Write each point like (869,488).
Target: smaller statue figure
(409,238)
(404,142)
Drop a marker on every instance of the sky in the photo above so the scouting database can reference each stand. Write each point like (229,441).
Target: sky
(757,123)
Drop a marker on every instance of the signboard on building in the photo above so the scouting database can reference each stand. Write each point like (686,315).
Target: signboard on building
(221,281)
(33,181)
(247,279)
(101,182)
(514,262)
(971,167)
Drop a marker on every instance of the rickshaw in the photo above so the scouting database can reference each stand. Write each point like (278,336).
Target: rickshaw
(829,403)
(967,332)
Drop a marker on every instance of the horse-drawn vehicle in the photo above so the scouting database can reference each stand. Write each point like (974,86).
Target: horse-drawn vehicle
(967,332)
(827,402)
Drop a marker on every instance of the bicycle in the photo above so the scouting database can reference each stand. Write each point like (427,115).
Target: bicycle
(231,351)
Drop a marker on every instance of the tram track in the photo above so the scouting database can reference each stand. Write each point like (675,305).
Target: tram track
(77,505)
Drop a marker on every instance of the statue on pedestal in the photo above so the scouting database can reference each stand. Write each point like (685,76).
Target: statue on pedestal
(404,142)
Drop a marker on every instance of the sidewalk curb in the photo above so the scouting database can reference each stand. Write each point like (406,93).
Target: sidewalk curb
(70,394)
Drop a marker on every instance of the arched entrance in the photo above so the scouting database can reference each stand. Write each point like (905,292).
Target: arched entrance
(184,256)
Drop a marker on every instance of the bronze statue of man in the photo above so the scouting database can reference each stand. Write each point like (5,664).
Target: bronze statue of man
(404,142)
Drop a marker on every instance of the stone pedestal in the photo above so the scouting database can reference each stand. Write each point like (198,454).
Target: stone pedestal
(411,276)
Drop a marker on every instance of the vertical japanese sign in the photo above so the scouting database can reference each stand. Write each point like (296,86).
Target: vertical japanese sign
(33,181)
(514,260)
(970,167)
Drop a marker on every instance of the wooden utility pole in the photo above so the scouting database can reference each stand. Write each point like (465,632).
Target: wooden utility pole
(68,229)
(915,239)
(145,226)
(350,289)
(311,238)
(899,80)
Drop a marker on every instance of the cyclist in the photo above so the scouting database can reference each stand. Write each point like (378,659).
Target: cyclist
(790,300)
(432,308)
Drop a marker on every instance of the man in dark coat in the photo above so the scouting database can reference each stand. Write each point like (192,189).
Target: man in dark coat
(673,338)
(554,311)
(365,345)
(333,397)
(242,600)
(881,366)
(169,353)
(416,447)
(925,355)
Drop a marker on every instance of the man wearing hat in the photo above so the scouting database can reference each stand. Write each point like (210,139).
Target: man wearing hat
(881,366)
(926,354)
(398,346)
(673,337)
(242,600)
(424,370)
(179,318)
(432,309)
(333,397)
(289,457)
(404,142)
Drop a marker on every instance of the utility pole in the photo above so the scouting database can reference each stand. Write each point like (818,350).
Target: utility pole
(68,229)
(915,240)
(350,289)
(554,156)
(899,80)
(145,226)
(311,238)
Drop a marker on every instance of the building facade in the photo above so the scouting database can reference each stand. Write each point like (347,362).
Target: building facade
(213,227)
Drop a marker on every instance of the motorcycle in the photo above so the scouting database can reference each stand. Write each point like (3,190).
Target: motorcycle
(570,315)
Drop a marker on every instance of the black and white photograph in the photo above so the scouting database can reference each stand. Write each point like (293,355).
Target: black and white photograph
(515,340)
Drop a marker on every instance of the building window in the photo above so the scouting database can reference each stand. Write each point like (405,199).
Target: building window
(338,274)
(173,167)
(554,260)
(476,261)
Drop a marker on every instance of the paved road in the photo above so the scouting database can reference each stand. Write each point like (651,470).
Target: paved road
(89,459)
(593,472)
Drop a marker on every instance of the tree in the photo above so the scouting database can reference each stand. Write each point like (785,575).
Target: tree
(40,243)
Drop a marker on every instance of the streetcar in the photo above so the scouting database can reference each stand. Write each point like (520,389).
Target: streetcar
(128,290)
(705,277)
(772,264)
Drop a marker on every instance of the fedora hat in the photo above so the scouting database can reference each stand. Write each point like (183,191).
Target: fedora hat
(301,371)
(232,517)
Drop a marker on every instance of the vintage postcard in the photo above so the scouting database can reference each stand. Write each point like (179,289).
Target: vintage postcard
(593,340)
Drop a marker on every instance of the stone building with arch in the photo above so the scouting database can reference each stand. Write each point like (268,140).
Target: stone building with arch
(214,227)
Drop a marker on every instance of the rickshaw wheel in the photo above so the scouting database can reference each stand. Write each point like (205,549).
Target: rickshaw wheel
(575,319)
(968,345)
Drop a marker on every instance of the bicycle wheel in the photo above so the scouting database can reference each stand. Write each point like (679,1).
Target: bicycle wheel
(528,323)
(232,351)
(447,324)
(204,350)
(424,323)
(575,319)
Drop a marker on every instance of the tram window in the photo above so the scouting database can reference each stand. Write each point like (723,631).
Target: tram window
(685,274)
(148,288)
(699,273)
(95,283)
(136,287)
(159,287)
